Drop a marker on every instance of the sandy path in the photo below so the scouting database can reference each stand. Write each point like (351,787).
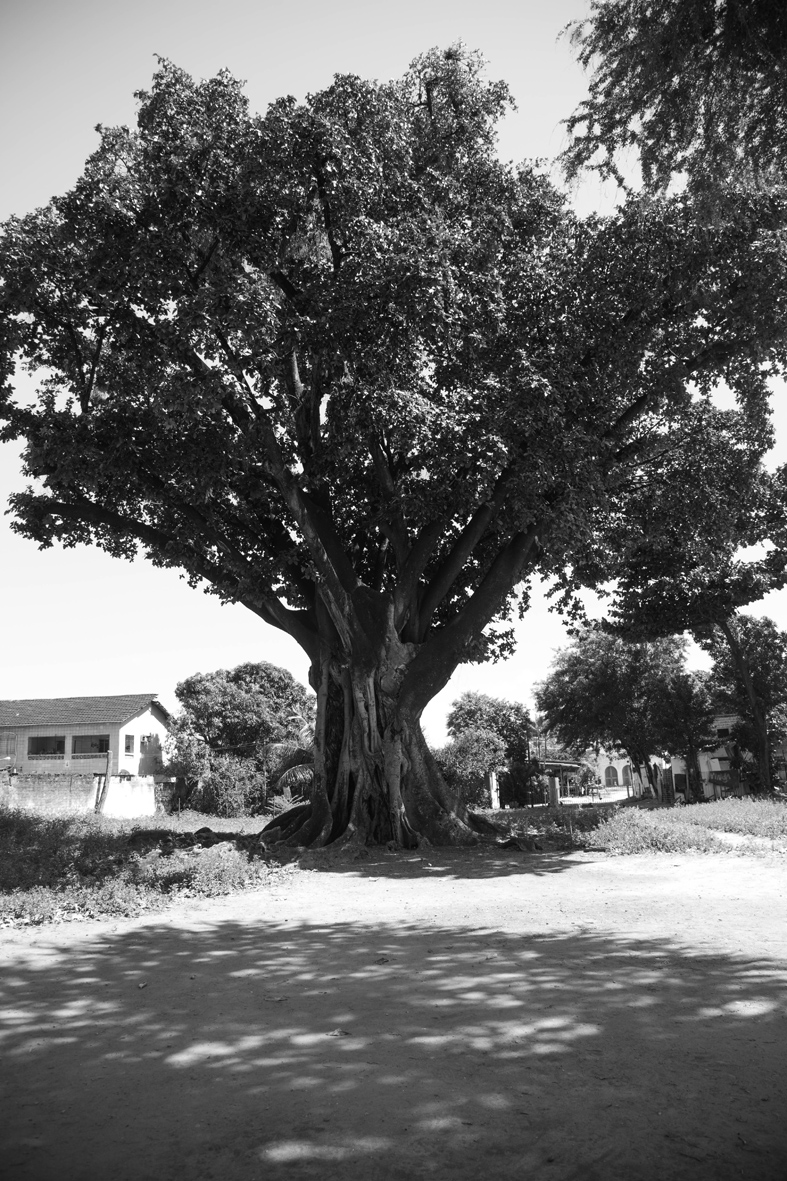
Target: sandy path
(472,1016)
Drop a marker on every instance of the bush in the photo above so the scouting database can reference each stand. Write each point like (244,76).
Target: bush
(64,867)
(231,787)
(465,761)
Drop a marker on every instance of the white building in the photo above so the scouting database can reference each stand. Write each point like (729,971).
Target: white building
(79,735)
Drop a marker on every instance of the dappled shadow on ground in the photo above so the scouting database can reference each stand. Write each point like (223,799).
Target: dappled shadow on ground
(347,1051)
(479,861)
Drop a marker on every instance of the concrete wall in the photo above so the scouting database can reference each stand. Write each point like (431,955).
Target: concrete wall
(49,793)
(46,792)
(128,798)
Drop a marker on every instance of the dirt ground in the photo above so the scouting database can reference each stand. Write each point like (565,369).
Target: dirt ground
(468,1014)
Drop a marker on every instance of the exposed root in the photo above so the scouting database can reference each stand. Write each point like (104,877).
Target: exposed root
(484,826)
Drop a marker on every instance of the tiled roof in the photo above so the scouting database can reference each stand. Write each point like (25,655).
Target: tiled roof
(56,711)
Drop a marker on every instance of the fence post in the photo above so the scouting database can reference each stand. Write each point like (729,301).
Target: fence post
(101,794)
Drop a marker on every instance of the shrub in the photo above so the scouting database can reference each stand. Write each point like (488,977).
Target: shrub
(63,867)
(229,788)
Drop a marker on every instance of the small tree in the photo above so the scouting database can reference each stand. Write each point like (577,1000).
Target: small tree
(510,720)
(468,760)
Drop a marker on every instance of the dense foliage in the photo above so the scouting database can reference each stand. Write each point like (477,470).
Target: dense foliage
(468,760)
(510,720)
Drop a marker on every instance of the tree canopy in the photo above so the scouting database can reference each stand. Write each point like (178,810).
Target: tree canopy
(510,720)
(238,711)
(339,363)
(749,680)
(693,86)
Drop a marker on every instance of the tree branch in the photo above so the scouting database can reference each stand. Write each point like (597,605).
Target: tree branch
(298,624)
(439,656)
(463,547)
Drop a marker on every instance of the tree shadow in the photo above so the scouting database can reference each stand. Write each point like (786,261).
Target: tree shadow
(474,862)
(296,1050)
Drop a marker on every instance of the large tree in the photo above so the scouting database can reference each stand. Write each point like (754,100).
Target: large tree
(342,365)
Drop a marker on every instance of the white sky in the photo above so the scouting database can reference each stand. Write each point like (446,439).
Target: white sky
(76,621)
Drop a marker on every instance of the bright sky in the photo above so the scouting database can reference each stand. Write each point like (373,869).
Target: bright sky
(76,621)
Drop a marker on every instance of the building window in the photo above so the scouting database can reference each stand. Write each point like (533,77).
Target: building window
(626,776)
(129,744)
(89,746)
(610,777)
(7,746)
(49,746)
(723,732)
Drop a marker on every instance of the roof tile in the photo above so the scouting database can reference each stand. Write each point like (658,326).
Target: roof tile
(56,711)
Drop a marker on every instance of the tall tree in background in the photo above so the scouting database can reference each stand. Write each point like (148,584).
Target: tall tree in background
(510,720)
(600,691)
(750,680)
(683,710)
(692,86)
(509,723)
(671,581)
(238,711)
(342,365)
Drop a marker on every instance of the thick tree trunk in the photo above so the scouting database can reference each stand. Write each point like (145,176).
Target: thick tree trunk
(375,780)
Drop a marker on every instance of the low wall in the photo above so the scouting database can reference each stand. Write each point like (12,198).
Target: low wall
(48,793)
(125,798)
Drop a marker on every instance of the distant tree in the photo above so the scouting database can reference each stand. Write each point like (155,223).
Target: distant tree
(240,710)
(749,679)
(600,689)
(510,720)
(683,711)
(693,86)
(674,581)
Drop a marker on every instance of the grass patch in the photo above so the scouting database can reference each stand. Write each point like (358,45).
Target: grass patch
(64,867)
(749,817)
(630,830)
(627,829)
